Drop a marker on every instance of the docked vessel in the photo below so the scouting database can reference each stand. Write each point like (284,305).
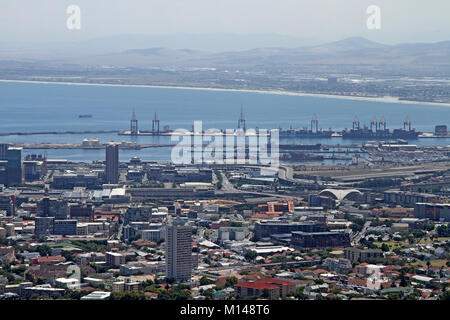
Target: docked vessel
(303,133)
(378,130)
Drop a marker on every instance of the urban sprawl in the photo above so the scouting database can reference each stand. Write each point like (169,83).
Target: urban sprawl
(375,227)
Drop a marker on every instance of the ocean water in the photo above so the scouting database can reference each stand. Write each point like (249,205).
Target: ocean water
(34,107)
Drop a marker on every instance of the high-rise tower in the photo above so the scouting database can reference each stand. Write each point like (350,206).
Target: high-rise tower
(112,163)
(14,165)
(178,250)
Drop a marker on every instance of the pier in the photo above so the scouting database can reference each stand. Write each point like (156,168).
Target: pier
(57,132)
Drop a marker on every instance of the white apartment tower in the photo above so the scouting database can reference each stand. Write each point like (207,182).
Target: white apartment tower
(178,251)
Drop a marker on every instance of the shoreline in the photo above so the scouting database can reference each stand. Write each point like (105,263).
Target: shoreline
(273,92)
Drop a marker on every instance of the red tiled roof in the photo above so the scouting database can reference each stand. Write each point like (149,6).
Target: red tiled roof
(256,285)
(265,216)
(49,259)
(106,217)
(319,271)
(278,281)
(358,282)
(267,283)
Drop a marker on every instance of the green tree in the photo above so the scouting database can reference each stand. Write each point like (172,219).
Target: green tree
(231,281)
(250,255)
(44,250)
(205,281)
(209,294)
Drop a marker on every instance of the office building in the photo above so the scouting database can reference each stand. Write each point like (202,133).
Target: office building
(151,235)
(81,212)
(14,166)
(232,233)
(397,196)
(178,251)
(7,204)
(34,167)
(78,179)
(51,207)
(330,239)
(65,227)
(355,254)
(432,211)
(265,228)
(115,259)
(138,214)
(43,226)
(112,163)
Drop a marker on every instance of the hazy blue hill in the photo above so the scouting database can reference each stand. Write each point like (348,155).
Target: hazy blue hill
(349,44)
(350,51)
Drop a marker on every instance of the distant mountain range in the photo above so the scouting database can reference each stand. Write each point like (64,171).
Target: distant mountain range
(355,51)
(351,51)
(415,71)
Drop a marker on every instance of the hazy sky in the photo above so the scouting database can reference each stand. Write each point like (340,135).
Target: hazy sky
(327,20)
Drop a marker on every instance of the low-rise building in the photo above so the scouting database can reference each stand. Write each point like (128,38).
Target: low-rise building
(115,259)
(356,254)
(97,295)
(271,288)
(339,265)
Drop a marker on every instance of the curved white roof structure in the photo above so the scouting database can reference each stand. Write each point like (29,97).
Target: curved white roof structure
(339,194)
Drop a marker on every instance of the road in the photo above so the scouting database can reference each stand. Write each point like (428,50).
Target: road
(227,186)
(287,173)
(359,235)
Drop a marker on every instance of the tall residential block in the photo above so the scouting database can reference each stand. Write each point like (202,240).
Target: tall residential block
(112,163)
(14,165)
(178,251)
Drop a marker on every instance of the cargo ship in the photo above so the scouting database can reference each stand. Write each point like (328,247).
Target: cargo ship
(378,130)
(85,116)
(304,133)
